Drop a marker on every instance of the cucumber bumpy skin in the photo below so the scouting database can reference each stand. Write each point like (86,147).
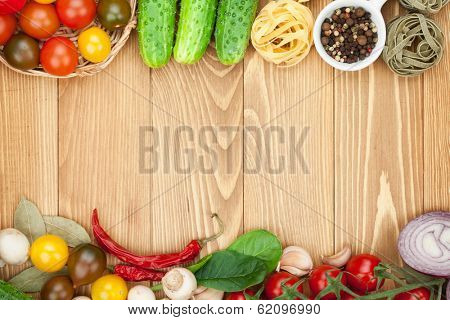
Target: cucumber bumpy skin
(195,28)
(234,24)
(156,30)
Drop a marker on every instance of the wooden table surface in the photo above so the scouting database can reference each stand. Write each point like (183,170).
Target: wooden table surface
(376,150)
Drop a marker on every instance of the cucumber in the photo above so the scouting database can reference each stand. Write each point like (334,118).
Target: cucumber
(156,30)
(9,292)
(195,28)
(234,24)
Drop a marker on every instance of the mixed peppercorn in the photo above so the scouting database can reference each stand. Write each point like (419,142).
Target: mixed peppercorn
(349,35)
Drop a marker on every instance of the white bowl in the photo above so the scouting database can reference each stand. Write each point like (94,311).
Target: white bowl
(372,6)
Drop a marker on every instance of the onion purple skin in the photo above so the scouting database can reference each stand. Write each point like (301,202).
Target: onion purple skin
(416,257)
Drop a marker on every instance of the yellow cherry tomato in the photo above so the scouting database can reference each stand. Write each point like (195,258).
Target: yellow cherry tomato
(94,44)
(109,287)
(44,1)
(49,253)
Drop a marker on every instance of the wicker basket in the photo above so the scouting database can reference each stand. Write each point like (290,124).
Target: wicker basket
(85,68)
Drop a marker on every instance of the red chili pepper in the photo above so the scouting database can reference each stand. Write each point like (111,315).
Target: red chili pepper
(189,253)
(132,273)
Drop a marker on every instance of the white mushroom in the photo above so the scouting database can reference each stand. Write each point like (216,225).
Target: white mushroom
(141,293)
(179,284)
(14,247)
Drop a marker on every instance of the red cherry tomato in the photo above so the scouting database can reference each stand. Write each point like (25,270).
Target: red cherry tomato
(346,296)
(415,294)
(239,295)
(59,56)
(273,287)
(76,14)
(318,280)
(11,6)
(38,20)
(8,25)
(361,275)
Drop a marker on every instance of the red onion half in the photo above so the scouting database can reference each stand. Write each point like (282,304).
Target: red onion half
(424,244)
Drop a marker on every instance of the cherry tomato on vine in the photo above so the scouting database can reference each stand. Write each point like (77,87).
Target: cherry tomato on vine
(59,56)
(8,25)
(415,294)
(39,20)
(273,287)
(11,6)
(239,295)
(76,14)
(318,280)
(361,275)
(22,52)
(94,44)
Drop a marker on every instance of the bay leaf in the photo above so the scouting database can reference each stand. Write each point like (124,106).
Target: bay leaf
(28,220)
(31,279)
(73,233)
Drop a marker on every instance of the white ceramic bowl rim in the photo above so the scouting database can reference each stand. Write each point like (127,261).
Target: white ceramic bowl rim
(372,6)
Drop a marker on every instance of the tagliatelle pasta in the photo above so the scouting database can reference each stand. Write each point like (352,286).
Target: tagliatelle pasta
(282,32)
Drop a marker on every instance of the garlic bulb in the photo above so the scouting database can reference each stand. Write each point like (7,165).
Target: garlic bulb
(202,293)
(179,284)
(339,259)
(296,261)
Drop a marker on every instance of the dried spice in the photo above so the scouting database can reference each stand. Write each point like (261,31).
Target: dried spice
(349,35)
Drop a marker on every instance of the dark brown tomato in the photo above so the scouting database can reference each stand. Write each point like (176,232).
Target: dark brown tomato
(22,52)
(113,14)
(86,264)
(58,288)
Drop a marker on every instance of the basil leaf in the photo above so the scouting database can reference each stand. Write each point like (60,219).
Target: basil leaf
(260,244)
(231,271)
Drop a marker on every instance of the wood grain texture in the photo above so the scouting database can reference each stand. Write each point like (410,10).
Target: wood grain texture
(200,154)
(378,156)
(437,127)
(297,202)
(99,126)
(28,146)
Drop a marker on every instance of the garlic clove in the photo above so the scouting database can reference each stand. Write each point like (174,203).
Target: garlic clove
(202,293)
(296,261)
(2,263)
(339,259)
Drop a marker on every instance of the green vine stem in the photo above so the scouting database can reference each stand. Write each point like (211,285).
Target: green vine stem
(389,294)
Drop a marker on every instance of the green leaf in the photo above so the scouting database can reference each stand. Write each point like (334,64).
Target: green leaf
(32,279)
(9,292)
(195,267)
(28,220)
(231,271)
(73,233)
(260,244)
